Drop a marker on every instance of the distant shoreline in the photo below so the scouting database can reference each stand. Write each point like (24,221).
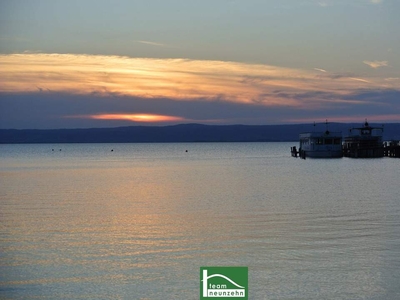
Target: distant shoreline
(184,133)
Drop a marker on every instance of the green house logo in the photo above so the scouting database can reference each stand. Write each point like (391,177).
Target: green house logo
(223,283)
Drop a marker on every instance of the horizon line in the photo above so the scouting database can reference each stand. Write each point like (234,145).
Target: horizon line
(202,124)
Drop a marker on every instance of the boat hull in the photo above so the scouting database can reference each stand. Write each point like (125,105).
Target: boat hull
(324,154)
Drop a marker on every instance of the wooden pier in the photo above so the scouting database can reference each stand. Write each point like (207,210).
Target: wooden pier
(297,153)
(294,151)
(391,149)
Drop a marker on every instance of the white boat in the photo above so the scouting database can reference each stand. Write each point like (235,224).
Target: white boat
(321,144)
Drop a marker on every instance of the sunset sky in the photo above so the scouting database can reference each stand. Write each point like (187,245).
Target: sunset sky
(104,63)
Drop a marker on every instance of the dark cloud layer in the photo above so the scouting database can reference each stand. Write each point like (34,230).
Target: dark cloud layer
(57,110)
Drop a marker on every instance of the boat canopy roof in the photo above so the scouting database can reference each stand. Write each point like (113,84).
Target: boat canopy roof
(328,134)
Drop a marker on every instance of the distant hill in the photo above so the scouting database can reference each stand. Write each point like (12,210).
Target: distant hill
(181,133)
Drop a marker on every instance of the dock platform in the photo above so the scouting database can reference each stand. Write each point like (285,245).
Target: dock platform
(391,149)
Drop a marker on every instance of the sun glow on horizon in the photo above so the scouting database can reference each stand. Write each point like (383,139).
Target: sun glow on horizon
(134,117)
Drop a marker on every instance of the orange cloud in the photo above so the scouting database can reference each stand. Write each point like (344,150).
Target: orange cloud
(376,64)
(179,79)
(135,117)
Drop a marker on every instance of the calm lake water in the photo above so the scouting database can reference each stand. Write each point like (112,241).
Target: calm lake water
(138,222)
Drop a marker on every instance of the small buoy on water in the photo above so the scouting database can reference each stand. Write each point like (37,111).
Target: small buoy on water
(186,151)
(112,150)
